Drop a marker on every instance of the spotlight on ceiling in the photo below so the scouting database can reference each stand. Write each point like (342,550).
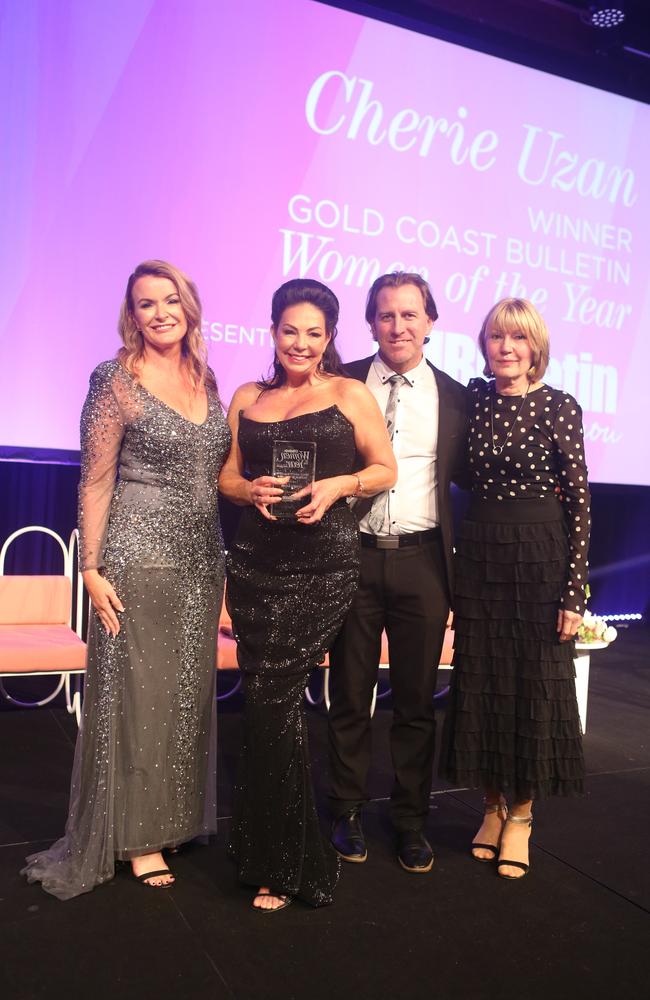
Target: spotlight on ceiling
(606,15)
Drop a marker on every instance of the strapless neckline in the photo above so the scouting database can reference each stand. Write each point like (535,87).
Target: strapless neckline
(299,416)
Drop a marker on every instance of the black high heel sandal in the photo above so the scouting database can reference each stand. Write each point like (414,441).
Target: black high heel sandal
(491,807)
(525,868)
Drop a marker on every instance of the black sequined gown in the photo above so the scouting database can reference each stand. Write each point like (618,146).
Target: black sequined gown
(289,588)
(144,774)
(512,722)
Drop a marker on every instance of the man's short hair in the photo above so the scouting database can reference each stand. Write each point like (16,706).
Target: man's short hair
(394,280)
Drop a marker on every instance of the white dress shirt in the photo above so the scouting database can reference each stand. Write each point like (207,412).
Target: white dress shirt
(412,502)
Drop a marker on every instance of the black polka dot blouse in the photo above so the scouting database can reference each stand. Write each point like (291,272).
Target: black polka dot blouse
(540,446)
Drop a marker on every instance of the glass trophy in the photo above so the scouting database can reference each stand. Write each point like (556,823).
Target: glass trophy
(296,459)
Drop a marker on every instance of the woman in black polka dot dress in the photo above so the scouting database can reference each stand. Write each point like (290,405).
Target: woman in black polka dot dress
(521,567)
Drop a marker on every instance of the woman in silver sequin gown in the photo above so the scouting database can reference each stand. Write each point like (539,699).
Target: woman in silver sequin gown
(290,583)
(153,438)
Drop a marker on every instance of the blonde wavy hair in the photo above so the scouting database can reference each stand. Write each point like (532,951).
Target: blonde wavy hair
(193,349)
(510,315)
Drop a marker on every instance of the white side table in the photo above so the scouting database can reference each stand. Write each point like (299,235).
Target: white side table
(581,662)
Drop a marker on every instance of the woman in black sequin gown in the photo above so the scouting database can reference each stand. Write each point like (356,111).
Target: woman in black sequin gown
(290,583)
(521,568)
(153,438)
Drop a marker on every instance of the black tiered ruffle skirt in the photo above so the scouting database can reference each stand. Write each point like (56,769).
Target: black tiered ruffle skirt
(512,722)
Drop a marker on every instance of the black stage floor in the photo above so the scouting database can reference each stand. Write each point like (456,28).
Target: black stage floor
(577,926)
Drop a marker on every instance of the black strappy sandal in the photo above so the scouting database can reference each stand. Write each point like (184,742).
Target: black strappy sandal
(525,868)
(142,879)
(491,807)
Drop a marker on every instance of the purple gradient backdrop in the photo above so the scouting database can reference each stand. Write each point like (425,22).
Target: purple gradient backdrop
(149,128)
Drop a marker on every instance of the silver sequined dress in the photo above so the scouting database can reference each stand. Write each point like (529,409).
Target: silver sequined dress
(144,774)
(289,588)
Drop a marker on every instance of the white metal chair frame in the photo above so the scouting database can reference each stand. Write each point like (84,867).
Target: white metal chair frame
(72,688)
(231,691)
(71,681)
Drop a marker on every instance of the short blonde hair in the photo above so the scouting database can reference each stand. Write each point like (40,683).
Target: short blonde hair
(194,351)
(509,315)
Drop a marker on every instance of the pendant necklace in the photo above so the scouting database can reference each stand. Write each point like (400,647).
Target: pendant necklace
(498,448)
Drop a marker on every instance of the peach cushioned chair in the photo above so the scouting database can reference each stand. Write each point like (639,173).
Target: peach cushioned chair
(226,650)
(36,638)
(227,660)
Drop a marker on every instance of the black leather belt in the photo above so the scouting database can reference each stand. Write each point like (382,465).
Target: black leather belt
(399,541)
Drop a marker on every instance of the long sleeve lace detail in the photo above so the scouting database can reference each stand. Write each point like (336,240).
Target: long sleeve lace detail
(572,471)
(102,430)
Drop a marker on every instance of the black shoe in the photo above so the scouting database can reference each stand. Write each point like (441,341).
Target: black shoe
(414,851)
(347,837)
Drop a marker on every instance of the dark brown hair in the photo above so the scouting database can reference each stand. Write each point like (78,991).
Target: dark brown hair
(294,293)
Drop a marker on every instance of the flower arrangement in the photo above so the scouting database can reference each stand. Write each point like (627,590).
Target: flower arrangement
(595,629)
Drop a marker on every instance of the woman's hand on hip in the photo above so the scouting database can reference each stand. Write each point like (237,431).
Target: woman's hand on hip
(267,490)
(104,600)
(568,623)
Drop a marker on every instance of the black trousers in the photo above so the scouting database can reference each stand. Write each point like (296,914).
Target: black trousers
(403,591)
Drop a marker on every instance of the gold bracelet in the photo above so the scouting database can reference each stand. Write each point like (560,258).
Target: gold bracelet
(359,490)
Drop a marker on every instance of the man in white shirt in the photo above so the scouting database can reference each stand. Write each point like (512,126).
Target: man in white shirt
(406,575)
